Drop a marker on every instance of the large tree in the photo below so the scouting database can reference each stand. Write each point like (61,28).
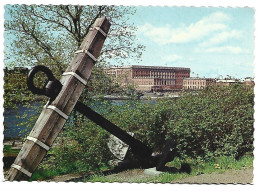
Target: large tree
(50,34)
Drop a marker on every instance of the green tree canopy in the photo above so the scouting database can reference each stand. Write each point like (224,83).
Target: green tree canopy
(50,34)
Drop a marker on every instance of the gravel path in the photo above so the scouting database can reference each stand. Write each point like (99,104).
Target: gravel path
(228,177)
(129,176)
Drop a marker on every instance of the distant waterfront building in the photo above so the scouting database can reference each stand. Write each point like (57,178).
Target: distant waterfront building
(16,75)
(249,82)
(227,82)
(16,69)
(196,83)
(151,78)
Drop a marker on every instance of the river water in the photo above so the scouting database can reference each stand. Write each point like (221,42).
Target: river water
(13,124)
(13,127)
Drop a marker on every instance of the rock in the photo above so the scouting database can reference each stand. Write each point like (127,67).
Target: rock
(152,172)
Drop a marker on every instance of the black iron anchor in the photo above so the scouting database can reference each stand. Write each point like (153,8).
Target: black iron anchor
(144,154)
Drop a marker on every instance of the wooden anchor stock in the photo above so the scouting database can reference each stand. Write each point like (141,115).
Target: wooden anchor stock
(64,95)
(53,117)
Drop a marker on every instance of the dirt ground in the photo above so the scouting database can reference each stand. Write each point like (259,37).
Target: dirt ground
(228,177)
(129,176)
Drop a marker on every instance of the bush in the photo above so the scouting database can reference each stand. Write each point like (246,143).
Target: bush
(219,121)
(214,122)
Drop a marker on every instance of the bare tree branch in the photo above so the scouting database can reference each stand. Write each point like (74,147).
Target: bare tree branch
(100,9)
(41,25)
(52,21)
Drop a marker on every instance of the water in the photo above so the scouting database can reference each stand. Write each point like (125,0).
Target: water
(12,127)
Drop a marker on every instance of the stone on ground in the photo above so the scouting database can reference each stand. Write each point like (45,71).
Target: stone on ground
(152,172)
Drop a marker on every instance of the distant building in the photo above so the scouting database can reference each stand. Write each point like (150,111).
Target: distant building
(15,78)
(227,82)
(17,69)
(249,82)
(196,83)
(151,78)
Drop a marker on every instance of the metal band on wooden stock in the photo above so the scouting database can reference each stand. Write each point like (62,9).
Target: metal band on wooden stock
(76,76)
(88,53)
(21,169)
(57,111)
(64,96)
(38,142)
(101,31)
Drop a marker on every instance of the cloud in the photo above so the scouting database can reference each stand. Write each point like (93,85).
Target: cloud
(221,37)
(172,58)
(191,59)
(221,49)
(184,34)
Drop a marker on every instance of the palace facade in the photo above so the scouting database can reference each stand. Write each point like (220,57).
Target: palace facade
(196,83)
(151,78)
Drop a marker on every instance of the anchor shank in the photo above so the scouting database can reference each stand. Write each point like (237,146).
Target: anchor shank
(137,146)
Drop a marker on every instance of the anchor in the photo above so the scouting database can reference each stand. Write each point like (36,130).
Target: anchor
(145,155)
(64,95)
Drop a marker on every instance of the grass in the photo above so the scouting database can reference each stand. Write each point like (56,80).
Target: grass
(40,174)
(198,166)
(9,152)
(43,175)
(218,165)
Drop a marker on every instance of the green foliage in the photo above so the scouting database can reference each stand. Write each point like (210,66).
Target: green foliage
(199,166)
(8,150)
(205,125)
(84,145)
(213,122)
(218,121)
(47,169)
(50,34)
(225,163)
(16,90)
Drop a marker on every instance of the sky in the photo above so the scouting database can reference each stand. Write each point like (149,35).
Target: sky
(212,42)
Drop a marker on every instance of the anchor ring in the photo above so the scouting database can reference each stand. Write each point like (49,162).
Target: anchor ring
(31,75)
